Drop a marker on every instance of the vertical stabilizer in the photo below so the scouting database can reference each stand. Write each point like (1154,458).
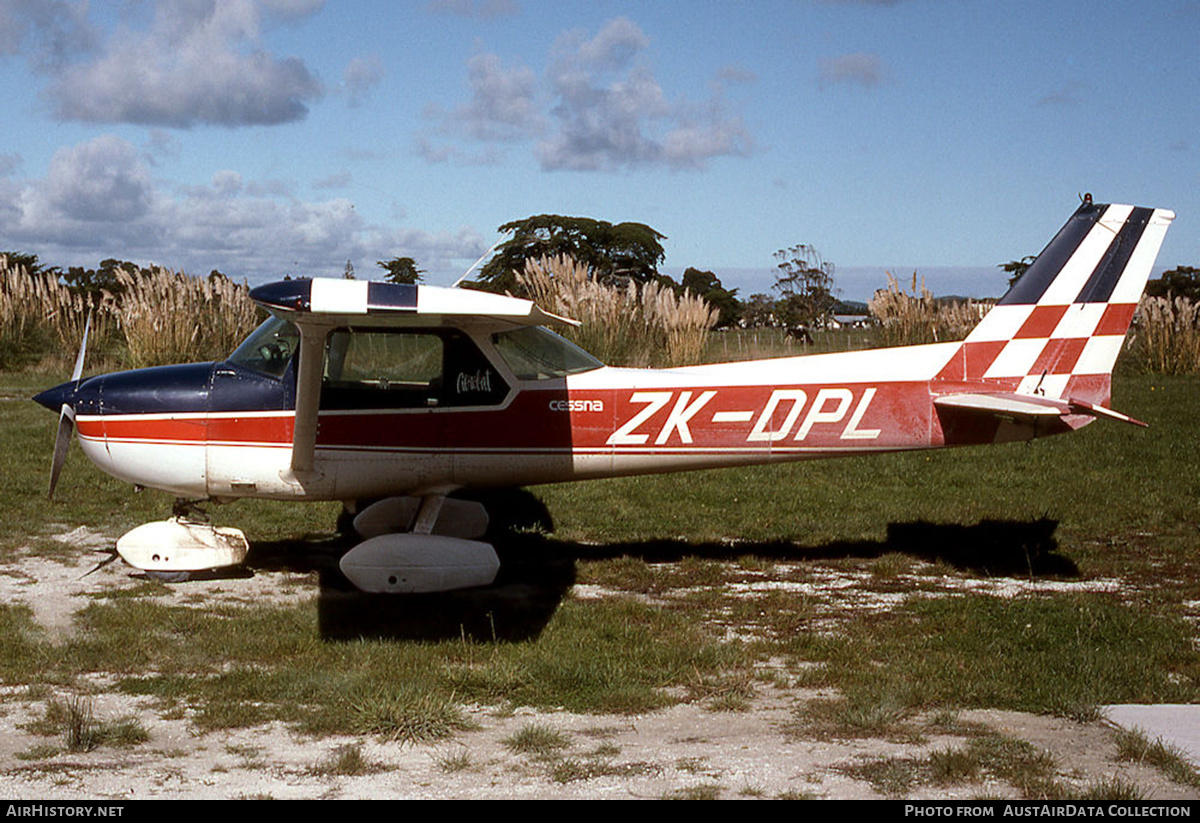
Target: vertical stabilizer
(1059,329)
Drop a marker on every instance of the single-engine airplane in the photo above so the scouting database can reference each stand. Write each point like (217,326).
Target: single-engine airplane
(405,394)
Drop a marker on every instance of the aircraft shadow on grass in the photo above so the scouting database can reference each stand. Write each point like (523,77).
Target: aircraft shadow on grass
(536,572)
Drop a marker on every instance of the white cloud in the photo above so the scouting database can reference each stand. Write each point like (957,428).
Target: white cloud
(360,76)
(858,69)
(9,163)
(598,108)
(99,200)
(731,75)
(612,113)
(503,104)
(475,9)
(197,63)
(51,31)
(442,153)
(612,49)
(100,181)
(337,180)
(227,181)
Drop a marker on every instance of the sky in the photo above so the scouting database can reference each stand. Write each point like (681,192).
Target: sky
(267,138)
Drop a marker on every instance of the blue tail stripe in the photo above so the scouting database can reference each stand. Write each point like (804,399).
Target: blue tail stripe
(1041,273)
(1104,279)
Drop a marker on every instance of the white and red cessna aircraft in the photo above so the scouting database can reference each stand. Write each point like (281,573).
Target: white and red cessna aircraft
(360,391)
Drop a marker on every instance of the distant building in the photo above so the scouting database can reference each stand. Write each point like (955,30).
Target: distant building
(851,321)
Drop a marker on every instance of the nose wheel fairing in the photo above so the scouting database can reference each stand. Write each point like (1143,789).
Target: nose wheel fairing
(180,545)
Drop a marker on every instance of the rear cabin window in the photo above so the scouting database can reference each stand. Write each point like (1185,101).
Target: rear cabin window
(389,368)
(536,353)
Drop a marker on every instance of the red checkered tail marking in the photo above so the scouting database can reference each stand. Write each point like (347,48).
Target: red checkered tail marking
(1057,332)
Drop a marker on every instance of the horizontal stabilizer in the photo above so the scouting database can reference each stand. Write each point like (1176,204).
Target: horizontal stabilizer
(1025,407)
(1079,407)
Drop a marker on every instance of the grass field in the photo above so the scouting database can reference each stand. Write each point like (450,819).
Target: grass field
(713,583)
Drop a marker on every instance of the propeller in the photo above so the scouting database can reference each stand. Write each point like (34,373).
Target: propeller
(66,415)
(112,557)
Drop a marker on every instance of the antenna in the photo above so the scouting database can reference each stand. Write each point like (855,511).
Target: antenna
(476,263)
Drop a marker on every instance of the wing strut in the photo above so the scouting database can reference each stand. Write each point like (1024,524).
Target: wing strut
(308,398)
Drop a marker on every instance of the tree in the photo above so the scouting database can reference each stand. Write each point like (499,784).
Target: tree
(1181,281)
(759,310)
(348,272)
(707,285)
(106,278)
(623,250)
(401,270)
(1016,268)
(29,262)
(805,286)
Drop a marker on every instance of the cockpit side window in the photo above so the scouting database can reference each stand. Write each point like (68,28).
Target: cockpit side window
(269,348)
(398,368)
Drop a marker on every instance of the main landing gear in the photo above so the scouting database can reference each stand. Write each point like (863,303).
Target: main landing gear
(412,545)
(417,545)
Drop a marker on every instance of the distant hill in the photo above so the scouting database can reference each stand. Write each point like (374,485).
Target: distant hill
(957,298)
(850,307)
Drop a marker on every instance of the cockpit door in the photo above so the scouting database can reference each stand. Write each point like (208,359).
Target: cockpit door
(250,399)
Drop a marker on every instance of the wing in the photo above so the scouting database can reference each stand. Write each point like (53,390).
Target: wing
(365,302)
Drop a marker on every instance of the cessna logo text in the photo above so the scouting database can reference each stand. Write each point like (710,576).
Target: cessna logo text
(787,415)
(577,405)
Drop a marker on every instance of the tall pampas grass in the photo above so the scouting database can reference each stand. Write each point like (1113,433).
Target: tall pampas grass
(170,317)
(911,317)
(160,316)
(622,324)
(1167,335)
(42,319)
(681,320)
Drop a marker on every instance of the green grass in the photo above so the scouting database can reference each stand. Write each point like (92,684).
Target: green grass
(1133,745)
(455,762)
(74,720)
(1062,654)
(537,740)
(1110,501)
(573,769)
(1019,764)
(246,665)
(409,716)
(347,761)
(702,791)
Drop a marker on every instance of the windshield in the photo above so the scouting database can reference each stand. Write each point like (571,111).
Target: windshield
(536,353)
(269,348)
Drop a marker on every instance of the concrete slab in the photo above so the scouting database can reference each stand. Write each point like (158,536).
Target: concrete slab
(1178,725)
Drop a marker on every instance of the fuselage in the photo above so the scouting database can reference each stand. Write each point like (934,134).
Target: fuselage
(224,430)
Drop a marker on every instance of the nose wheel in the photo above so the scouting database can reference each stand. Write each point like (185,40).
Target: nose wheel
(169,577)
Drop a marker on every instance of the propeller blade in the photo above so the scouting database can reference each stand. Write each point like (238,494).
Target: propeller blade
(78,371)
(66,417)
(112,556)
(62,441)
